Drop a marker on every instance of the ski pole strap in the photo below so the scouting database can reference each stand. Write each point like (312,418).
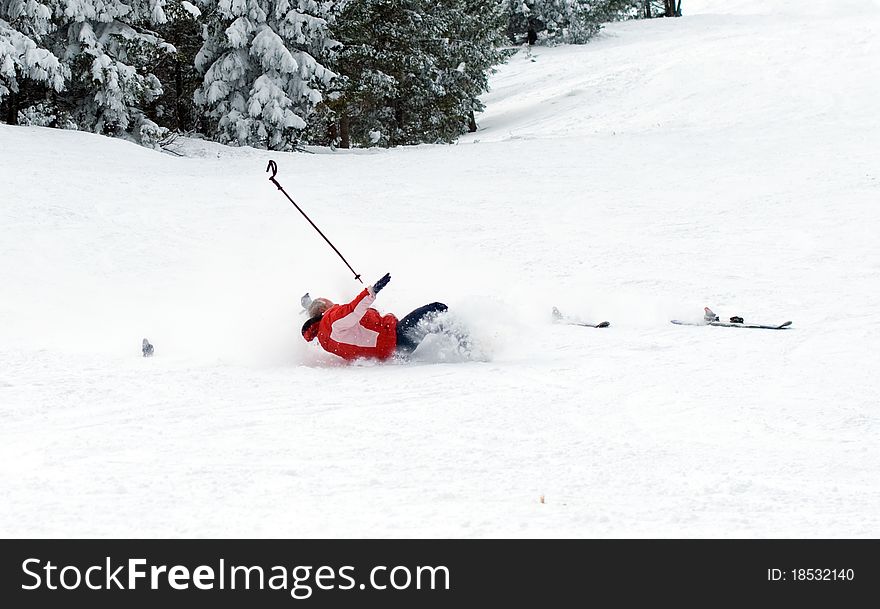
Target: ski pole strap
(273,167)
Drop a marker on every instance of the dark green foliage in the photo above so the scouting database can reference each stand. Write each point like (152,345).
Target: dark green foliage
(562,21)
(175,108)
(411,71)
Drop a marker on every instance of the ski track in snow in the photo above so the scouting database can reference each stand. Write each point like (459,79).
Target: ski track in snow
(726,159)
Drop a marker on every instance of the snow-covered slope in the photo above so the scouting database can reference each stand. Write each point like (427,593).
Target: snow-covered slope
(806,65)
(728,158)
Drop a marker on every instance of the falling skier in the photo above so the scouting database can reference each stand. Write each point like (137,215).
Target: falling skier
(355,330)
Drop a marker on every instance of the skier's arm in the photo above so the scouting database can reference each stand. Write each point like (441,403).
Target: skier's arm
(352,313)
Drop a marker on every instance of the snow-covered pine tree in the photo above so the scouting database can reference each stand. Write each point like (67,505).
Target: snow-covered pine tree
(27,67)
(468,48)
(619,10)
(175,108)
(579,20)
(520,19)
(412,70)
(559,21)
(264,69)
(111,49)
(379,46)
(104,48)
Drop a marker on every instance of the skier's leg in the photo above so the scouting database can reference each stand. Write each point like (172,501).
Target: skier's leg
(407,339)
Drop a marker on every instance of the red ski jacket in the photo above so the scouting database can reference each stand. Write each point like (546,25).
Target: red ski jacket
(354,330)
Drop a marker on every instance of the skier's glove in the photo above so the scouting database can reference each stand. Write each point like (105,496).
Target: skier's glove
(381,283)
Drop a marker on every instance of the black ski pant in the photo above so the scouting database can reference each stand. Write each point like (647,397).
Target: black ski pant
(407,336)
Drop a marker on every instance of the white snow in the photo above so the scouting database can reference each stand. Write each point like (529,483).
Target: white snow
(728,158)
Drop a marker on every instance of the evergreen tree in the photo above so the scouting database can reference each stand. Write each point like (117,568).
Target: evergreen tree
(264,69)
(26,64)
(175,109)
(619,10)
(560,21)
(102,80)
(110,62)
(412,70)
(469,51)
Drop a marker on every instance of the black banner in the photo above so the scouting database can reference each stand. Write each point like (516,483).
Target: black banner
(435,573)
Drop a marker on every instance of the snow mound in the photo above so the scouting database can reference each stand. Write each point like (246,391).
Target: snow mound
(724,65)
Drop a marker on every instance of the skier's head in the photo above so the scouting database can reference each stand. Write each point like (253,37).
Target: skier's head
(319,306)
(316,309)
(310,328)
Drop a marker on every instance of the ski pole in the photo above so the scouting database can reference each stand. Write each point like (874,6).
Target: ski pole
(274,169)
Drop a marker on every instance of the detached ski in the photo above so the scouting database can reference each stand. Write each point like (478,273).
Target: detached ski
(710,319)
(725,324)
(559,318)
